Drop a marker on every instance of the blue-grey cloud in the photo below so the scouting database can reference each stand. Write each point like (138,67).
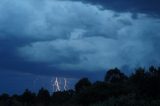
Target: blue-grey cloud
(72,38)
(150,7)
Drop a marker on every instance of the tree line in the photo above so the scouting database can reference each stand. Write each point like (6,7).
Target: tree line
(141,88)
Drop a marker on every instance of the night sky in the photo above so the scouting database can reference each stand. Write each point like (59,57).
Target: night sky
(44,39)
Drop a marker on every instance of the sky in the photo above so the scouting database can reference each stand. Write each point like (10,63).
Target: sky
(44,39)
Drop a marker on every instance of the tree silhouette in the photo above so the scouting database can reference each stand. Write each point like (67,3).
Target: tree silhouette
(82,84)
(28,97)
(153,82)
(43,96)
(141,88)
(139,75)
(114,75)
(4,96)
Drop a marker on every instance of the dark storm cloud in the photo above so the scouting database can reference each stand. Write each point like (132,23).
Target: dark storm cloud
(10,60)
(151,7)
(74,39)
(21,24)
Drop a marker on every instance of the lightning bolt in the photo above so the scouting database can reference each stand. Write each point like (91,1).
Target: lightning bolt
(65,84)
(55,85)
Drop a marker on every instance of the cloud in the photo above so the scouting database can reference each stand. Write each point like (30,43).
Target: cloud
(121,41)
(150,7)
(73,38)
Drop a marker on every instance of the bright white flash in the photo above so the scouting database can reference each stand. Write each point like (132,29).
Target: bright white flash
(65,84)
(56,84)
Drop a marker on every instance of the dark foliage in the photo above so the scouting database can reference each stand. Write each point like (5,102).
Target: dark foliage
(140,89)
(43,96)
(114,75)
(82,84)
(27,98)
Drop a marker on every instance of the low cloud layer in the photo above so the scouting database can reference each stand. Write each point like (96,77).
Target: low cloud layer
(71,38)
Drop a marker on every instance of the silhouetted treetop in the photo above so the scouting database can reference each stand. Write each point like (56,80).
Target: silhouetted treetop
(43,95)
(114,75)
(142,88)
(28,97)
(82,84)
